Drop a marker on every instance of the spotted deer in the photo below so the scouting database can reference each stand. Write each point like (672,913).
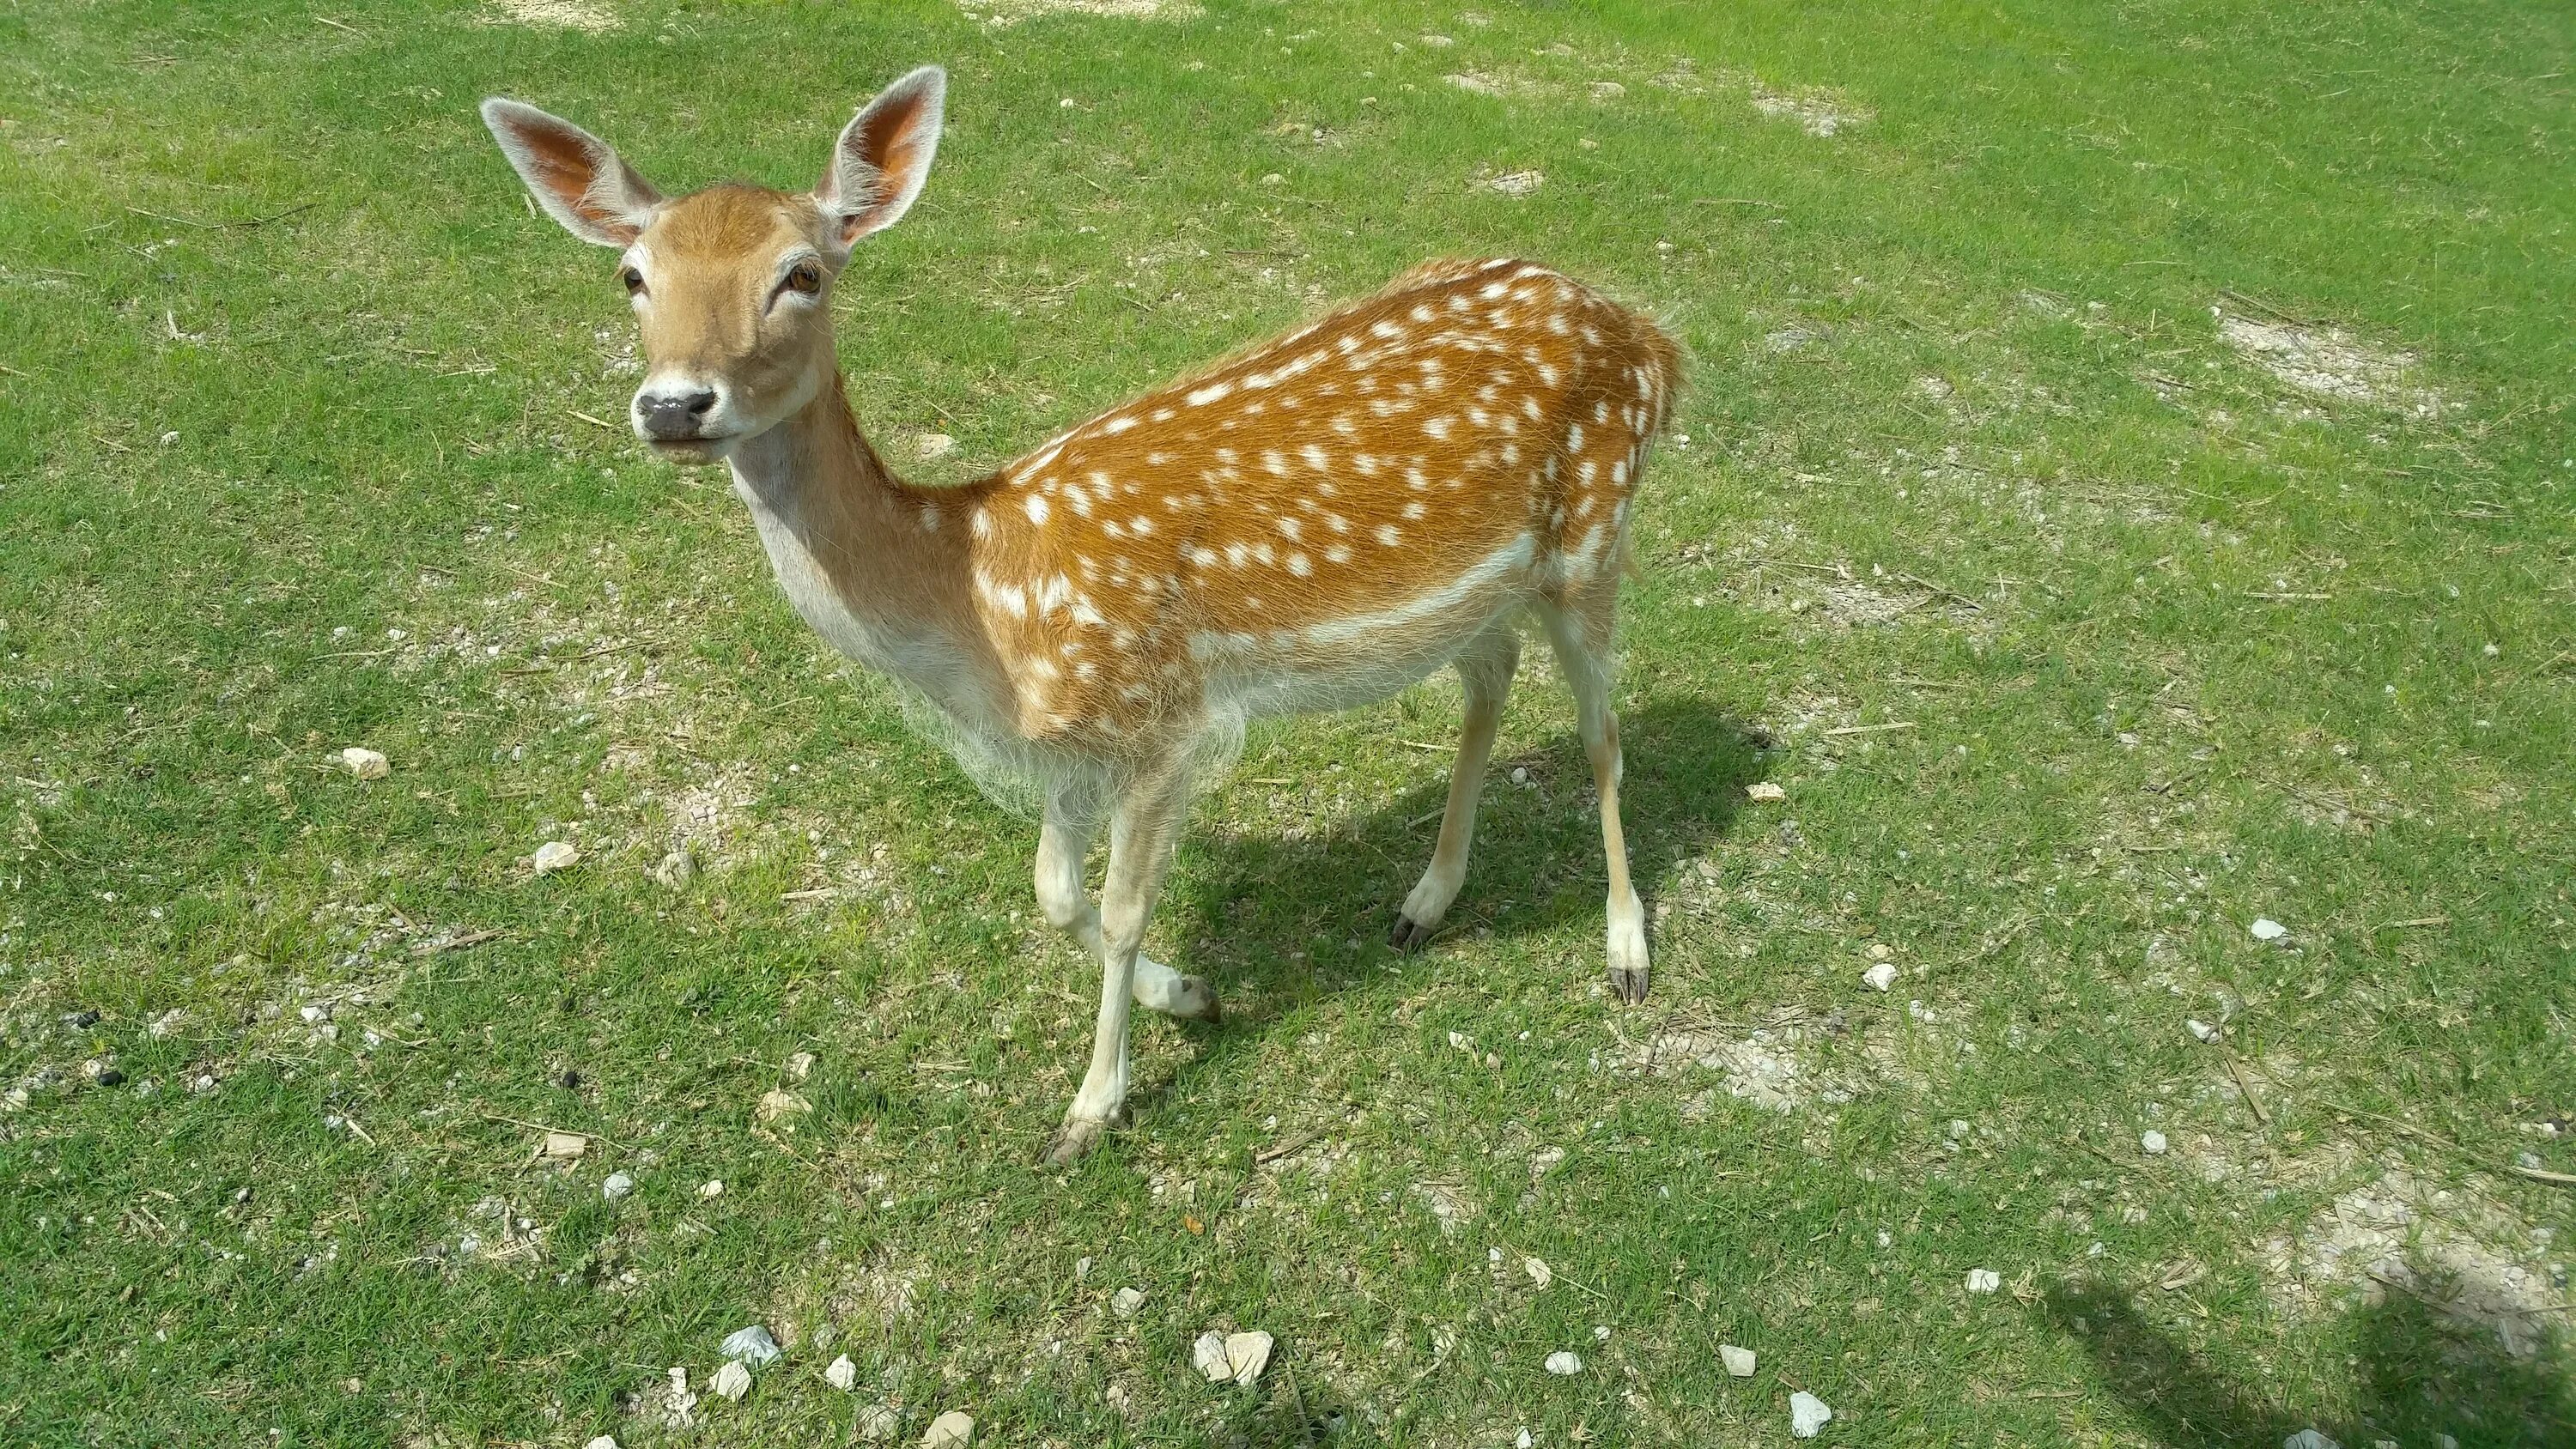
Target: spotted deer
(1314,523)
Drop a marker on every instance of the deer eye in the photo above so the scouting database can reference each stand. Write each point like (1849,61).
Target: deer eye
(632,280)
(805,279)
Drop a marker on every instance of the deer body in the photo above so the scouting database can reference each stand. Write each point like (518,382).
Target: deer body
(1312,524)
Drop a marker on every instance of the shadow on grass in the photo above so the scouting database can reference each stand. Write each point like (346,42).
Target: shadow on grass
(1275,919)
(2420,1376)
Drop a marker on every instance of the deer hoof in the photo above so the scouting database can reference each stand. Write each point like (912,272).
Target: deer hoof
(1407,934)
(1195,1000)
(1074,1140)
(1629,982)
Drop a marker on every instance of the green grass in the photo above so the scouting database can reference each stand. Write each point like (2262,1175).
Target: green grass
(2173,644)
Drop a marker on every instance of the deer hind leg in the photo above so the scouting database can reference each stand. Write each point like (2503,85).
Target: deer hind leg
(1580,628)
(1064,838)
(1141,837)
(1485,669)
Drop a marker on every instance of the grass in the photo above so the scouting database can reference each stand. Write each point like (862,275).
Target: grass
(2082,639)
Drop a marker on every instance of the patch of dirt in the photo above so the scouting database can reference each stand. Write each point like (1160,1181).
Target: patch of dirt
(581,15)
(999,13)
(2461,1254)
(1818,112)
(1762,1068)
(1486,83)
(1857,605)
(2332,363)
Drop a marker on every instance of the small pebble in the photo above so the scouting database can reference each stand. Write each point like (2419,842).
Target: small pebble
(753,1345)
(364,763)
(2200,1029)
(952,1430)
(1520,775)
(934,445)
(618,1185)
(712,1187)
(604,1441)
(2309,1439)
(1564,1364)
(1984,1280)
(553,856)
(1807,1415)
(2267,929)
(1522,1440)
(1765,792)
(879,1422)
(2152,1143)
(1540,1273)
(676,869)
(1126,1301)
(842,1373)
(1881,977)
(110,1077)
(1739,1361)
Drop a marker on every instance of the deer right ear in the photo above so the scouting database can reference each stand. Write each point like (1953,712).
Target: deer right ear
(883,156)
(573,174)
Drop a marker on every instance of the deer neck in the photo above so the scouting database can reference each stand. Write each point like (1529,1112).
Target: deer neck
(877,567)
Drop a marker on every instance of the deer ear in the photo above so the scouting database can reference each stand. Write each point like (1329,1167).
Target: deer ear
(883,156)
(573,174)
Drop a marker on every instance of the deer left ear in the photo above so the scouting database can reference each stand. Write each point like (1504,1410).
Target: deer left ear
(883,156)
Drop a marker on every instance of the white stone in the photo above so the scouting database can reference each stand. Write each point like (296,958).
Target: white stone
(1984,1280)
(364,763)
(1126,1301)
(1540,1273)
(712,1187)
(841,1374)
(2267,929)
(753,1345)
(604,1441)
(1208,1357)
(2200,1030)
(800,1066)
(1522,1440)
(952,1430)
(1765,792)
(1246,1355)
(676,869)
(934,445)
(732,1381)
(2152,1143)
(1739,1361)
(1881,977)
(618,1185)
(2309,1439)
(879,1422)
(1564,1364)
(1807,1415)
(553,856)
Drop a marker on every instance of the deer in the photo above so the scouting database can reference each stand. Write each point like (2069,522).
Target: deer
(1313,523)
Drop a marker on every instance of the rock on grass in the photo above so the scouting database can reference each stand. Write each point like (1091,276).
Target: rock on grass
(952,1430)
(1807,1415)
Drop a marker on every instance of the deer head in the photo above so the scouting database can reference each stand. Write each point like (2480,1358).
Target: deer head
(732,285)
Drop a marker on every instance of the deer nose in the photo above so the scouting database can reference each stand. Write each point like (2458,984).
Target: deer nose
(673,414)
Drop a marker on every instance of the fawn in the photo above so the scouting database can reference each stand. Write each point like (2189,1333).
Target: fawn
(1312,524)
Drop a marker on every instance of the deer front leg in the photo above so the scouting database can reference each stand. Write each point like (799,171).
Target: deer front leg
(1064,838)
(1140,850)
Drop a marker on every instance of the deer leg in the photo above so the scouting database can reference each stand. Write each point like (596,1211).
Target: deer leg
(1581,632)
(1147,825)
(1485,670)
(1064,838)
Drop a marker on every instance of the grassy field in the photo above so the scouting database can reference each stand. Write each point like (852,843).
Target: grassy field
(2124,495)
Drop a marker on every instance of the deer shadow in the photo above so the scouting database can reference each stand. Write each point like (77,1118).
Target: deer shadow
(2421,1376)
(1277,917)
